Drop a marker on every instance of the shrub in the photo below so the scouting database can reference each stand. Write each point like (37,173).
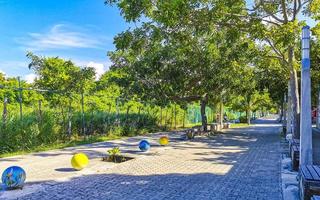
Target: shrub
(243,119)
(32,131)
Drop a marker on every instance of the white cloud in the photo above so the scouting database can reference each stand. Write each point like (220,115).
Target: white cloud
(99,68)
(29,78)
(60,36)
(2,72)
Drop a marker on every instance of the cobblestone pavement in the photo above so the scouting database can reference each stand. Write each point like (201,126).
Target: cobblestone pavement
(239,164)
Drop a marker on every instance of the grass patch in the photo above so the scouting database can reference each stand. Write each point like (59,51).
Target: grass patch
(239,125)
(61,145)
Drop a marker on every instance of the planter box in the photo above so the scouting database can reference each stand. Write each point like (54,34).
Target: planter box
(116,159)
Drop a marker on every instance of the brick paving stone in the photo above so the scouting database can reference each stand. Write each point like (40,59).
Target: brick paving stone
(239,164)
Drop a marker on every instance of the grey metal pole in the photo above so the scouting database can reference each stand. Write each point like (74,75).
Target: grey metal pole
(305,117)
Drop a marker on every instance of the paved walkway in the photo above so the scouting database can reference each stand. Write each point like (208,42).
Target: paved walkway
(239,164)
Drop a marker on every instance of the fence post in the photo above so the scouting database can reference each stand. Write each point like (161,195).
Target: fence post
(40,110)
(175,116)
(20,96)
(161,116)
(69,121)
(5,111)
(184,118)
(117,110)
(172,117)
(82,114)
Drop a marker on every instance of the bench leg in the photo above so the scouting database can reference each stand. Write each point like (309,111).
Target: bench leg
(294,161)
(304,191)
(295,165)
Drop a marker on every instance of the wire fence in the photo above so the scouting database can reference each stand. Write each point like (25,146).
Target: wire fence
(29,117)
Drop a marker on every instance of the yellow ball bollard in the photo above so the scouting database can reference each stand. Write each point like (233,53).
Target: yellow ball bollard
(164,140)
(79,161)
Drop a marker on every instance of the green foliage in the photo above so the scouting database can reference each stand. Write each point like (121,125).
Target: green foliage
(17,135)
(114,151)
(111,123)
(243,119)
(184,51)
(30,132)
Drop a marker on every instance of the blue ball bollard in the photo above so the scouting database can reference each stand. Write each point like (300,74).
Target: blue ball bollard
(144,145)
(13,177)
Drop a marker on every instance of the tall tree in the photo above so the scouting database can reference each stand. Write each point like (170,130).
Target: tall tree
(280,30)
(180,52)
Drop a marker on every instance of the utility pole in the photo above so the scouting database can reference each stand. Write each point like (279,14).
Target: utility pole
(305,117)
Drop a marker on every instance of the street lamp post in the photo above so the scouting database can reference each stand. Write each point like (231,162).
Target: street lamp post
(305,117)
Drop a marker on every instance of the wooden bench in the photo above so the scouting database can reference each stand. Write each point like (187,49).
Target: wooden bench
(214,127)
(189,134)
(309,181)
(293,142)
(226,125)
(197,130)
(295,149)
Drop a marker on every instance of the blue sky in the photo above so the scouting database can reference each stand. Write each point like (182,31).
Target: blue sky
(80,30)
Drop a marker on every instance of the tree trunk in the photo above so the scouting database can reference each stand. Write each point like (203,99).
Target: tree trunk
(294,95)
(203,105)
(248,115)
(281,113)
(221,115)
(285,110)
(289,110)
(248,110)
